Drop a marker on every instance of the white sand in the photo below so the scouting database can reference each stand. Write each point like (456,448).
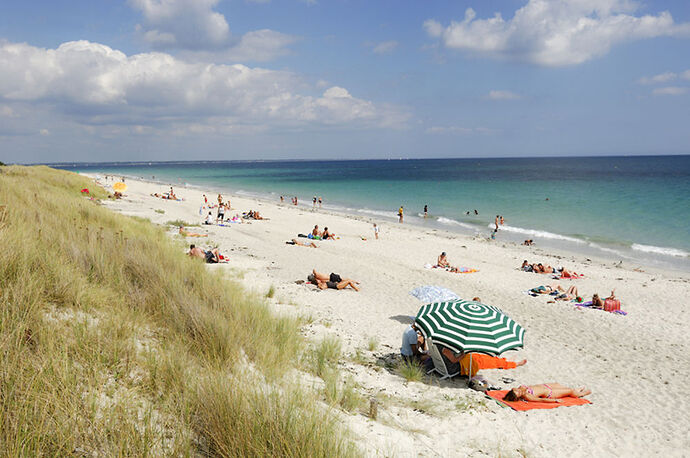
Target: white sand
(637,365)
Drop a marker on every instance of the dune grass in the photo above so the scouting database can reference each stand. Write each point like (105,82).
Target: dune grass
(114,342)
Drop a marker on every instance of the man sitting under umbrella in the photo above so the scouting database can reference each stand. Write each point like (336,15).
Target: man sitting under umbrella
(412,346)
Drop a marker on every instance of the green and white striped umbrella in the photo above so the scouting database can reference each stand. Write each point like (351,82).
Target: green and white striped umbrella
(467,326)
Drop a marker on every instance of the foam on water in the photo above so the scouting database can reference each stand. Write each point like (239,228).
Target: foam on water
(660,250)
(536,233)
(452,222)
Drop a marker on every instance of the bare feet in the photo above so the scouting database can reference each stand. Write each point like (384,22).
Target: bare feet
(521,363)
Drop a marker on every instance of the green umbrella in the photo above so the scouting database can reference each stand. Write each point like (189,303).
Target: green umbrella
(467,326)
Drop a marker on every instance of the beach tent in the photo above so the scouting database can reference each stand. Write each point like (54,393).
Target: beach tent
(470,327)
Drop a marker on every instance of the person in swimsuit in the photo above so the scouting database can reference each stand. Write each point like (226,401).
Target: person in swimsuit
(551,392)
(426,211)
(327,235)
(333,281)
(400,214)
(598,302)
(443,262)
(210,256)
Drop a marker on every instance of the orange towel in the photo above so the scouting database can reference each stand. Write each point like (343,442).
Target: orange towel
(481,361)
(529,405)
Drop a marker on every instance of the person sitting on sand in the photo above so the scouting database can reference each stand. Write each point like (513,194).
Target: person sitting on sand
(526,266)
(297,242)
(412,349)
(211,256)
(551,392)
(598,303)
(528,242)
(185,233)
(316,232)
(327,235)
(209,219)
(443,262)
(333,281)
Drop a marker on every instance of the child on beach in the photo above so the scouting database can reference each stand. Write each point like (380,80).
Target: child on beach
(376,231)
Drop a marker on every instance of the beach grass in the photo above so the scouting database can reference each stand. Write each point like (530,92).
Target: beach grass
(411,372)
(114,342)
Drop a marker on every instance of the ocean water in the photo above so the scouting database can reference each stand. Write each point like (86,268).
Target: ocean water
(634,209)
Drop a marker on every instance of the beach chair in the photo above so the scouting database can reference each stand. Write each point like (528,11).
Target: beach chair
(439,363)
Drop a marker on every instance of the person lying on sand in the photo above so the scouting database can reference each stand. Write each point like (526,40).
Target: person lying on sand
(185,233)
(297,242)
(211,256)
(333,281)
(598,303)
(542,269)
(551,392)
(555,289)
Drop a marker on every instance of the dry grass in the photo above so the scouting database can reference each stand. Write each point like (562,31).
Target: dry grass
(114,342)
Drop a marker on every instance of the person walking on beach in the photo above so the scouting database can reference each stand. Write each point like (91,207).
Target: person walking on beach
(426,210)
(376,231)
(320,201)
(400,214)
(205,200)
(314,202)
(496,221)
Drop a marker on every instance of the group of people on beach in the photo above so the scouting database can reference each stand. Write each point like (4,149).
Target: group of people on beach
(414,350)
(318,234)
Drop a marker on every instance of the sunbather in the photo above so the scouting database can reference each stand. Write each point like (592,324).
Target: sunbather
(443,262)
(211,256)
(327,235)
(333,281)
(556,290)
(545,392)
(297,242)
(185,233)
(598,303)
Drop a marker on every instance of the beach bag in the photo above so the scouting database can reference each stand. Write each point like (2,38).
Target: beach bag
(611,305)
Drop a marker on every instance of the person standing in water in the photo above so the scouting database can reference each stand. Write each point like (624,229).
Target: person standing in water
(502,220)
(426,210)
(320,201)
(496,222)
(400,214)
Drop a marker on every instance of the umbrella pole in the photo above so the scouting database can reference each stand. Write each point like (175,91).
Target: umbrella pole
(470,370)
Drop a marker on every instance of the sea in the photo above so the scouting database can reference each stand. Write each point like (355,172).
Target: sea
(633,209)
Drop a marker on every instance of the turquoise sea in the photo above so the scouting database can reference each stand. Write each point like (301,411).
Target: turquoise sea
(634,209)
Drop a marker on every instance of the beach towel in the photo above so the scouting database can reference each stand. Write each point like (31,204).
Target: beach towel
(521,405)
(461,270)
(617,310)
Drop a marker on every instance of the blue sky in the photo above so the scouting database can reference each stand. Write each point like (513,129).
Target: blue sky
(277,79)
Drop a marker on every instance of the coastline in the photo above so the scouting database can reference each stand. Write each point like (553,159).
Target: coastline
(564,344)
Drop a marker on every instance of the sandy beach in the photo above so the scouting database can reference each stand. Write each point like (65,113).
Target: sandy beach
(636,365)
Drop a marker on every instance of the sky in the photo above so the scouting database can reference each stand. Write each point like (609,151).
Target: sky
(155,80)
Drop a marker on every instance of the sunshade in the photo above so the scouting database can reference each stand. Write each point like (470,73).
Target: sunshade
(467,326)
(120,186)
(430,293)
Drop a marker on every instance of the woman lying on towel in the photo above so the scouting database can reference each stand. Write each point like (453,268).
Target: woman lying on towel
(544,393)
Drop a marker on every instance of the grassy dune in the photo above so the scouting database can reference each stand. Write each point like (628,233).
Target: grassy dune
(113,342)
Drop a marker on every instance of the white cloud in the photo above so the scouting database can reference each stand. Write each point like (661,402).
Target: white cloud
(96,85)
(503,95)
(685,75)
(670,90)
(183,24)
(44,132)
(660,78)
(555,33)
(385,47)
(6,111)
(192,26)
(457,130)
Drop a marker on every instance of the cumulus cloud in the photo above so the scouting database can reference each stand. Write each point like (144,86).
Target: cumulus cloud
(385,47)
(182,24)
(670,90)
(555,33)
(97,85)
(194,27)
(503,95)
